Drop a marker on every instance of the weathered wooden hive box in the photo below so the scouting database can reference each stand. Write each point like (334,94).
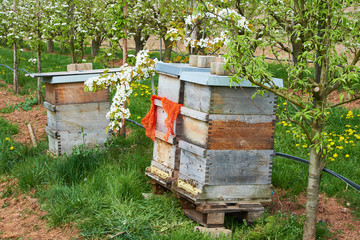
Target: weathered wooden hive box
(221,157)
(165,163)
(74,117)
(226,146)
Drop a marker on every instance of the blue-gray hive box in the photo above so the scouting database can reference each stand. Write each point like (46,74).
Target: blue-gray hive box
(165,162)
(74,117)
(223,147)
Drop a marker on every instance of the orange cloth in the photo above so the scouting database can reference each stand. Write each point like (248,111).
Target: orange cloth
(149,121)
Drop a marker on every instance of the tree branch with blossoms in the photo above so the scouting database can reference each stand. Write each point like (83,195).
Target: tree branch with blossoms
(120,82)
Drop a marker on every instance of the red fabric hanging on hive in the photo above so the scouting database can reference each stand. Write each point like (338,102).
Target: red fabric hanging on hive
(149,121)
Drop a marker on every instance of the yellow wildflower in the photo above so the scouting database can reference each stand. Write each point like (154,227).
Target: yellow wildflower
(11,148)
(335,155)
(347,155)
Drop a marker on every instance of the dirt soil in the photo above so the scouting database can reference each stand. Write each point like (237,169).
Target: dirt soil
(22,218)
(36,117)
(330,211)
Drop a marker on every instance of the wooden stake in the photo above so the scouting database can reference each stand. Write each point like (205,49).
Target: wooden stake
(123,129)
(32,136)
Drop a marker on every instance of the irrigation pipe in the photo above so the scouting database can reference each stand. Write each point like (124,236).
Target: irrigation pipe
(13,69)
(132,121)
(347,181)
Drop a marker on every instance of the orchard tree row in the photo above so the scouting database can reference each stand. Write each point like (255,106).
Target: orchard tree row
(73,24)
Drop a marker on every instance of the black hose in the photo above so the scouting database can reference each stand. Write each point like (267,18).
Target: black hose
(132,121)
(347,181)
(13,69)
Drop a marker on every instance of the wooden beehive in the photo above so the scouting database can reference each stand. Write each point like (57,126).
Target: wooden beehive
(225,141)
(227,147)
(165,163)
(74,117)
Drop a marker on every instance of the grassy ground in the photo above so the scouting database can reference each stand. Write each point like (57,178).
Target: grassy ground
(100,191)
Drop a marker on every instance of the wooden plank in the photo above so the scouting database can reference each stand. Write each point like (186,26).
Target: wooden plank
(161,116)
(192,168)
(51,119)
(160,170)
(91,139)
(212,208)
(169,87)
(223,99)
(194,114)
(216,218)
(73,93)
(161,135)
(192,148)
(236,135)
(50,106)
(253,118)
(195,131)
(235,193)
(165,153)
(74,117)
(197,97)
(50,131)
(176,69)
(54,144)
(229,167)
(50,93)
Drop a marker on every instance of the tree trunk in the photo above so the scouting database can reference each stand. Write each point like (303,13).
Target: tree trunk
(95,46)
(72,33)
(139,41)
(16,78)
(168,49)
(315,168)
(122,131)
(39,71)
(50,46)
(62,48)
(39,35)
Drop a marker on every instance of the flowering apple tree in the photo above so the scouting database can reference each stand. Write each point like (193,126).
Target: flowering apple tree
(120,83)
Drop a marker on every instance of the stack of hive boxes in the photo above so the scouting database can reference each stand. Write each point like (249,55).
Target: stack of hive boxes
(222,150)
(74,117)
(165,164)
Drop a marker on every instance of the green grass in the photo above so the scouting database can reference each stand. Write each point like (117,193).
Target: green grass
(344,141)
(100,190)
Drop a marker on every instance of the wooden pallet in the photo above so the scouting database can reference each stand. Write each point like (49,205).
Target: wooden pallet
(211,214)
